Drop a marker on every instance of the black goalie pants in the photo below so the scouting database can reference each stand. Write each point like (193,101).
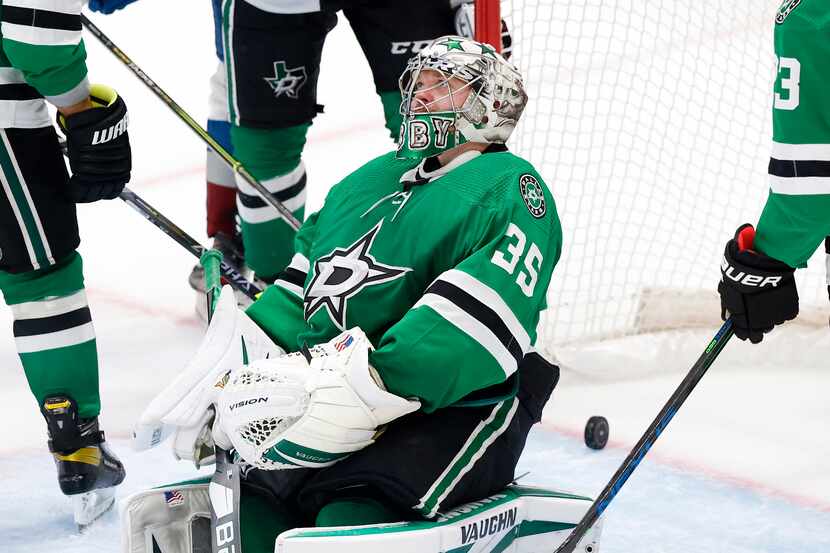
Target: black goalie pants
(427,463)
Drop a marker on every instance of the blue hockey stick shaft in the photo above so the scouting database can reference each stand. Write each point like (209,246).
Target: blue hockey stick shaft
(652,433)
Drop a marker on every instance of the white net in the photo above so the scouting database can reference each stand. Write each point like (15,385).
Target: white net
(650,122)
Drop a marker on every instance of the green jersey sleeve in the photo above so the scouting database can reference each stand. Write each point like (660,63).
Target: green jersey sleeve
(43,41)
(475,322)
(279,311)
(796,216)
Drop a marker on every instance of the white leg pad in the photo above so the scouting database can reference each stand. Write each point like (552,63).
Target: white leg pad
(518,520)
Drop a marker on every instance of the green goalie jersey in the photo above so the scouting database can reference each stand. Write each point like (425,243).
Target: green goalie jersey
(796,216)
(42,56)
(444,268)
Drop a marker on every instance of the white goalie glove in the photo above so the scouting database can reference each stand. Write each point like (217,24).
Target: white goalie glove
(308,409)
(185,406)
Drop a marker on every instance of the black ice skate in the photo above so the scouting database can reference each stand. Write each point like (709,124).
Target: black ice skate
(87,470)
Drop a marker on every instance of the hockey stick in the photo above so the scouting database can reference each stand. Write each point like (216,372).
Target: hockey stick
(652,433)
(168,227)
(234,278)
(224,488)
(232,162)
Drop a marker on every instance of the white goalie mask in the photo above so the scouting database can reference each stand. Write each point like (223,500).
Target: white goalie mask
(489,113)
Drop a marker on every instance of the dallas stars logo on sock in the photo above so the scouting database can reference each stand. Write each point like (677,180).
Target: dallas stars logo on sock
(287,81)
(344,273)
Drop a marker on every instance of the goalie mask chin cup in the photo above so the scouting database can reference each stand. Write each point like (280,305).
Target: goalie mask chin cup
(491,111)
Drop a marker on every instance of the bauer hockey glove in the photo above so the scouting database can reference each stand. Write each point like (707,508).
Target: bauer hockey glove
(98,147)
(756,290)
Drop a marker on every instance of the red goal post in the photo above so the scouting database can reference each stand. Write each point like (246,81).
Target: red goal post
(488,22)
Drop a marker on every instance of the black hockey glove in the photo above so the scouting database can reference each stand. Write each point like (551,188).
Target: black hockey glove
(98,147)
(755,289)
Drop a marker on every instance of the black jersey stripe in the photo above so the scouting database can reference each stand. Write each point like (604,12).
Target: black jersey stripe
(479,311)
(18,91)
(293,276)
(798,168)
(254,202)
(48,325)
(44,19)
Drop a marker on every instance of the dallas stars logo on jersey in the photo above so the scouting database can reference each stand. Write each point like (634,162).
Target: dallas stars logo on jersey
(344,273)
(287,81)
(532,195)
(786,7)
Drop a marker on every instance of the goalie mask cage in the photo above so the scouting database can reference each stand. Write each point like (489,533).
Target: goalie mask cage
(651,123)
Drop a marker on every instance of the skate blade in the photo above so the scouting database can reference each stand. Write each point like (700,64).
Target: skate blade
(89,507)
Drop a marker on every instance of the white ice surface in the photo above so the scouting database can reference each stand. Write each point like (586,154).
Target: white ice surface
(742,468)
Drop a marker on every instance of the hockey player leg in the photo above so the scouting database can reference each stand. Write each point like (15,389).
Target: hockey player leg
(270,119)
(220,188)
(87,470)
(41,277)
(407,27)
(273,157)
(56,343)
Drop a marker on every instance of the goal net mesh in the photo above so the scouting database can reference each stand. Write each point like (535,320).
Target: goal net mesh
(650,122)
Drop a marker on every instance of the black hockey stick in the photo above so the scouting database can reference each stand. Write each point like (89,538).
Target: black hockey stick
(234,278)
(652,433)
(232,162)
(168,227)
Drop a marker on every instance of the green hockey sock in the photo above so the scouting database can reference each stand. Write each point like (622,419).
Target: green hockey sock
(261,521)
(53,332)
(273,158)
(353,511)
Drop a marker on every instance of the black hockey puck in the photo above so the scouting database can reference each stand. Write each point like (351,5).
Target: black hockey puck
(596,432)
